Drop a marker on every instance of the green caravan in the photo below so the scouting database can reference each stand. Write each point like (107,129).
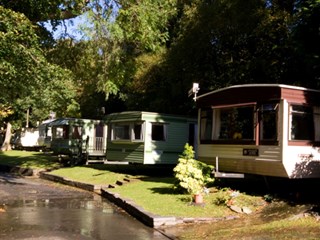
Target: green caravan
(79,139)
(148,137)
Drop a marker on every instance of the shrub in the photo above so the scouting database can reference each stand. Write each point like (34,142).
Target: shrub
(192,175)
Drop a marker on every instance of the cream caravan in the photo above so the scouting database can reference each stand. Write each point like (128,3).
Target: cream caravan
(264,129)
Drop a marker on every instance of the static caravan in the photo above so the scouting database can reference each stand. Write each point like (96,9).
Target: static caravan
(45,134)
(74,136)
(147,137)
(264,129)
(26,138)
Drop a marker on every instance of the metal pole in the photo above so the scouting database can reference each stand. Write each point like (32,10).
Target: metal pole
(27,125)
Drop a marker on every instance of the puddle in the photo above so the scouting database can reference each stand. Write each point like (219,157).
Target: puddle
(70,219)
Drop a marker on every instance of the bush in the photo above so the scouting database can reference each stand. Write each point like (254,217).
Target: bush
(192,175)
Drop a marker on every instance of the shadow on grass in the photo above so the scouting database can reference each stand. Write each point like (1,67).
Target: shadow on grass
(28,159)
(163,190)
(136,170)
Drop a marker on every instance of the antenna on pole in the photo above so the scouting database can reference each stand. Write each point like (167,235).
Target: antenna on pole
(194,90)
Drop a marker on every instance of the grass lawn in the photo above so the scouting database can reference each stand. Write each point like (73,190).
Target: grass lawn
(156,194)
(304,228)
(28,159)
(91,175)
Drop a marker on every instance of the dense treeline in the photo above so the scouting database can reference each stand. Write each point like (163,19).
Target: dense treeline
(145,55)
(154,50)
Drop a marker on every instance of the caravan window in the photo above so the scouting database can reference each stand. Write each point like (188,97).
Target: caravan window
(137,131)
(62,132)
(127,131)
(206,124)
(76,133)
(232,124)
(268,122)
(301,123)
(236,123)
(158,132)
(121,132)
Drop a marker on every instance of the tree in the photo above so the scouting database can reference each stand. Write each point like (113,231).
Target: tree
(222,43)
(305,65)
(122,31)
(28,79)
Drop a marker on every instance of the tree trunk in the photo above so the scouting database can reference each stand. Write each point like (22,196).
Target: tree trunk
(6,146)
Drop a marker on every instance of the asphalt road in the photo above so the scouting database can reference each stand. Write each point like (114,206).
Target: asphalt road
(32,208)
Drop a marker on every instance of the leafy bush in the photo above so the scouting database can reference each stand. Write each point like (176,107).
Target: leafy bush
(222,197)
(192,175)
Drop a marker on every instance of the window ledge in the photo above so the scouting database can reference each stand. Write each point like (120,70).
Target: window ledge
(126,141)
(303,143)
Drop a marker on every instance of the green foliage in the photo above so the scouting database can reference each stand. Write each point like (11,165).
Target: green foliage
(145,24)
(43,10)
(146,54)
(188,152)
(191,174)
(122,36)
(222,197)
(29,79)
(222,43)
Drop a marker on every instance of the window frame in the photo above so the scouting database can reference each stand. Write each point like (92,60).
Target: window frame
(216,124)
(76,132)
(64,130)
(130,131)
(164,126)
(275,111)
(298,113)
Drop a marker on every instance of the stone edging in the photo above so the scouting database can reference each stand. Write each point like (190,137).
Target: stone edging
(84,186)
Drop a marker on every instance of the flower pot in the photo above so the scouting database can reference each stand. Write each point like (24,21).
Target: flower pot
(198,198)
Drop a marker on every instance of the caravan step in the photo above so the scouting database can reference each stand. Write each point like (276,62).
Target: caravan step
(228,175)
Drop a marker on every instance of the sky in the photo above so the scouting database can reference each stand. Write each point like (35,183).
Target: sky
(68,28)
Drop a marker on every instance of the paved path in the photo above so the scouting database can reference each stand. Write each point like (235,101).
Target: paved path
(33,208)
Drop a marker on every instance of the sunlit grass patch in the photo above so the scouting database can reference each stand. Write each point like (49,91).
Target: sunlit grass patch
(157,195)
(29,159)
(90,175)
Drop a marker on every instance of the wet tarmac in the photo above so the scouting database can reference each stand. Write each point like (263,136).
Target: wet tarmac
(37,209)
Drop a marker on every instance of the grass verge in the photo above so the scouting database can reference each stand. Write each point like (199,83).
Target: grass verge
(28,159)
(156,194)
(304,228)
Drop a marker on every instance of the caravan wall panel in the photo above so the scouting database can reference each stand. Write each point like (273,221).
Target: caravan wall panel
(302,161)
(231,159)
(168,151)
(130,152)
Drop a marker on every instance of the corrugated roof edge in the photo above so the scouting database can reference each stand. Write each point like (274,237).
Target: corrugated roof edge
(259,85)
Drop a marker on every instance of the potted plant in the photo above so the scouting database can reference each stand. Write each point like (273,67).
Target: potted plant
(192,175)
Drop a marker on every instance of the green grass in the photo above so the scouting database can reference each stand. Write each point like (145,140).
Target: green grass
(156,194)
(304,228)
(28,159)
(90,175)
